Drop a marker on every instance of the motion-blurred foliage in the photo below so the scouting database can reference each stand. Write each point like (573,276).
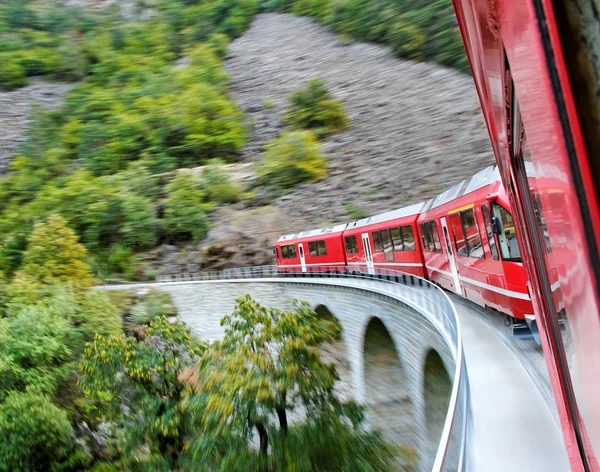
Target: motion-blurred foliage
(423,30)
(153,100)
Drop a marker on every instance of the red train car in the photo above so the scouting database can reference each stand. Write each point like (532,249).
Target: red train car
(386,241)
(311,251)
(470,245)
(535,67)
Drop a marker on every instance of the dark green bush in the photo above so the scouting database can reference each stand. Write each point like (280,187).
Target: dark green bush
(12,74)
(314,108)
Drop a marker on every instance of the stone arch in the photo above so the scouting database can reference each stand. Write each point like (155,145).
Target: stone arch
(437,387)
(337,353)
(387,389)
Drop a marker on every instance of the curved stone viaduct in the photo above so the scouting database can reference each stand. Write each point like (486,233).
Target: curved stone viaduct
(396,362)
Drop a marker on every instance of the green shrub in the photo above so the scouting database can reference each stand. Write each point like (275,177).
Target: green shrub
(12,74)
(218,185)
(154,303)
(184,215)
(121,261)
(290,159)
(407,40)
(354,211)
(140,224)
(219,42)
(314,108)
(35,433)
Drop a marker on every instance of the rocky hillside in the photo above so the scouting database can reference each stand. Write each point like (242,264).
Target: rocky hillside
(415,128)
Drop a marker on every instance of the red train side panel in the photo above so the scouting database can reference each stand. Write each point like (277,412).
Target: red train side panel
(318,250)
(386,241)
(470,245)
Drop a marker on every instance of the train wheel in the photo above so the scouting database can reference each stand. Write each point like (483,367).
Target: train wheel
(507,320)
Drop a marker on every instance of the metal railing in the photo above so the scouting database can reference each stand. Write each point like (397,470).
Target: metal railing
(419,293)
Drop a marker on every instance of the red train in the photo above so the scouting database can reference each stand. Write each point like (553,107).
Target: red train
(464,240)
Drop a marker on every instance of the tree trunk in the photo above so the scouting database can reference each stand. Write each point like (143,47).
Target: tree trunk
(264,438)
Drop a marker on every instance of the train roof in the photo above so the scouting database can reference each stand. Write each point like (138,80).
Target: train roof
(388,216)
(487,176)
(313,232)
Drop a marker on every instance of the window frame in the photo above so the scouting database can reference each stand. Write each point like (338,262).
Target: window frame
(507,259)
(476,225)
(288,251)
(491,237)
(355,243)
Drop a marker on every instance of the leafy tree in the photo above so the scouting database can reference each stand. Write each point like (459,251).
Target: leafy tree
(35,433)
(290,159)
(184,215)
(314,108)
(145,387)
(140,223)
(266,367)
(54,255)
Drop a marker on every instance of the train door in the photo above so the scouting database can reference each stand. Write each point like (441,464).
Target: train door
(302,259)
(451,258)
(368,253)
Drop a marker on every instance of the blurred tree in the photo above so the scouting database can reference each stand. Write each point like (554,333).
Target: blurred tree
(290,159)
(140,223)
(314,108)
(54,255)
(143,379)
(266,367)
(217,184)
(36,435)
(184,215)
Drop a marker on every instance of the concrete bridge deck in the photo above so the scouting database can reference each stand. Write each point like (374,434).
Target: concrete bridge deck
(509,426)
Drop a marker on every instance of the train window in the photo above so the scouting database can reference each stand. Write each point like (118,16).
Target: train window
(408,238)
(322,247)
(460,242)
(437,245)
(397,239)
(474,245)
(487,221)
(388,246)
(288,251)
(425,236)
(276,252)
(509,247)
(351,246)
(313,250)
(377,241)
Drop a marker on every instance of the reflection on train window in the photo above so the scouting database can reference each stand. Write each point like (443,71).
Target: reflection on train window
(288,251)
(377,241)
(472,236)
(388,247)
(317,248)
(509,247)
(431,237)
(541,221)
(460,243)
(397,239)
(408,238)
(487,220)
(351,246)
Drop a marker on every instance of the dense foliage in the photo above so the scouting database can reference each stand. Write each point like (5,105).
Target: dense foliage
(415,29)
(106,161)
(290,159)
(314,108)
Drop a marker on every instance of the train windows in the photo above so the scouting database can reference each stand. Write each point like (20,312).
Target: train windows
(509,247)
(377,241)
(431,237)
(487,221)
(276,252)
(397,239)
(317,248)
(460,242)
(288,251)
(351,246)
(425,235)
(408,238)
(437,245)
(471,231)
(388,247)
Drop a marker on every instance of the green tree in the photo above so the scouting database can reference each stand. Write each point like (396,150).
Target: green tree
(218,185)
(290,159)
(54,255)
(184,215)
(266,367)
(150,375)
(35,433)
(140,223)
(12,74)
(314,108)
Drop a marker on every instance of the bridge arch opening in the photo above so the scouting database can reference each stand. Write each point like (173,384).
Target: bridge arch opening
(337,353)
(437,387)
(387,396)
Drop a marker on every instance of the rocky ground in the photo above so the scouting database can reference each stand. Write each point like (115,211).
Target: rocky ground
(16,109)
